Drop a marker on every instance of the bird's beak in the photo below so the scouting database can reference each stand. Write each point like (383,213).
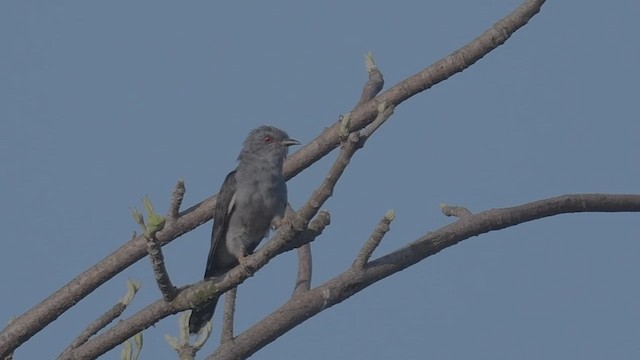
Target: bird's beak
(289,142)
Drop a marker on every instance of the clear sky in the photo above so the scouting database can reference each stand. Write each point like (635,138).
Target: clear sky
(102,103)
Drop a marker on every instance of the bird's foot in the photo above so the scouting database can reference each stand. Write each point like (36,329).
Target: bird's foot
(291,220)
(244,266)
(277,223)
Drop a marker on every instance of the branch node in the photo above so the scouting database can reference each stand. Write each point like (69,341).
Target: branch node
(384,113)
(457,211)
(344,125)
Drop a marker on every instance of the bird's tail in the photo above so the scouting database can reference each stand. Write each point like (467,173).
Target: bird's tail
(200,316)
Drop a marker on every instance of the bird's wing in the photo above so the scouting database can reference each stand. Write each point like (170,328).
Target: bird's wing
(221,214)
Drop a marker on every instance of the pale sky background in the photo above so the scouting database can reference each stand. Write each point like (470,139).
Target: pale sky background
(104,102)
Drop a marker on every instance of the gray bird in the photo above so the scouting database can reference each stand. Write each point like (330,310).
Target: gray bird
(253,197)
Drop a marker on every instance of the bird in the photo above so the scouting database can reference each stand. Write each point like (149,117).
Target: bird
(252,199)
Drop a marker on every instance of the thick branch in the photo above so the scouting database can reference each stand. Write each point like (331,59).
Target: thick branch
(353,280)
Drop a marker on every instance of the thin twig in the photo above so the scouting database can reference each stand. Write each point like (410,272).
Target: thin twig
(105,319)
(384,113)
(176,201)
(229,313)
(305,268)
(374,240)
(97,325)
(168,290)
(325,190)
(150,228)
(375,83)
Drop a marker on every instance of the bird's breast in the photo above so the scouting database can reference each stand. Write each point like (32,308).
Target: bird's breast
(261,201)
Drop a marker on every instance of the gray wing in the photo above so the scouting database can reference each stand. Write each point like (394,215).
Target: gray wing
(221,213)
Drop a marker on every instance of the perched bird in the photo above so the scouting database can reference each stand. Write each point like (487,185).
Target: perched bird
(253,197)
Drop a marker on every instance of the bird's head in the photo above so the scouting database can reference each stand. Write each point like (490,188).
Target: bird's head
(267,142)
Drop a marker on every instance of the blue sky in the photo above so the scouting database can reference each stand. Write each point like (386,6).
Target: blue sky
(103,103)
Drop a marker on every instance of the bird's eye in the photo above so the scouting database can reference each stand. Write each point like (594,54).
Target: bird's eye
(267,139)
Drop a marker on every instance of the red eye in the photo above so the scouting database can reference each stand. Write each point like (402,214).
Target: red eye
(267,139)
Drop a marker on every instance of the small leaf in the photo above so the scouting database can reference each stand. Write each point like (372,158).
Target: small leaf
(137,339)
(125,354)
(132,289)
(173,342)
(390,215)
(344,124)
